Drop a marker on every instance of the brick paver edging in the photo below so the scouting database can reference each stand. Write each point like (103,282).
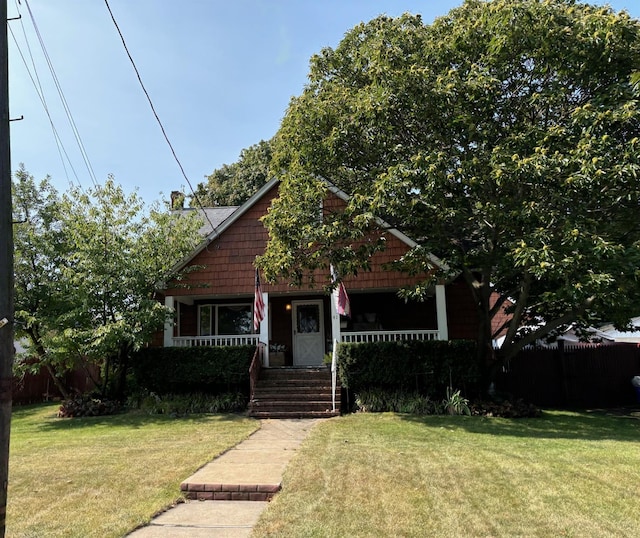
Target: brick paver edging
(229,492)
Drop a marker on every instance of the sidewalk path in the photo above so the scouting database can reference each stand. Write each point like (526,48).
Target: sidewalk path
(233,489)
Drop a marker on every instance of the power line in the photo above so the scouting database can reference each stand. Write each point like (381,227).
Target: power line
(65,105)
(164,133)
(40,92)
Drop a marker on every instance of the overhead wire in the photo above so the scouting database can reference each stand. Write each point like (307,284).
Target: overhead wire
(41,95)
(65,105)
(153,109)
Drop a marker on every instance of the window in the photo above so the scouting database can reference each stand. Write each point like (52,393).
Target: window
(225,319)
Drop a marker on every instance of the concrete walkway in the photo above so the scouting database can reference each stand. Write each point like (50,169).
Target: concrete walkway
(230,493)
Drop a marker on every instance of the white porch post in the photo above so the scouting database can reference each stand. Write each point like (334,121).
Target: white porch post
(441,311)
(168,324)
(264,329)
(335,318)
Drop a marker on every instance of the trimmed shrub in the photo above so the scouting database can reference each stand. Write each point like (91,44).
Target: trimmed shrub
(425,367)
(180,370)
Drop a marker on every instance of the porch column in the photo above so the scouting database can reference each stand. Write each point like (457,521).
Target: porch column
(441,312)
(264,329)
(168,323)
(335,318)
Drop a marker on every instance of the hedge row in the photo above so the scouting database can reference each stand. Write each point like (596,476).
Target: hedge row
(180,370)
(424,366)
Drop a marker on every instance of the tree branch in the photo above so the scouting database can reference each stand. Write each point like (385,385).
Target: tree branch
(514,348)
(520,307)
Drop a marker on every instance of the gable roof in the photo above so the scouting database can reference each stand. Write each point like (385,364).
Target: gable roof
(218,230)
(213,216)
(236,213)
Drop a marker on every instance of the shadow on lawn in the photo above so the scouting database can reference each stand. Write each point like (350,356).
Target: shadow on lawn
(131,419)
(593,426)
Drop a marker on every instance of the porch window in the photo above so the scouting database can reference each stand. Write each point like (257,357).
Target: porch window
(225,319)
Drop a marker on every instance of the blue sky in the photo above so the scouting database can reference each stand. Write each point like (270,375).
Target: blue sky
(220,74)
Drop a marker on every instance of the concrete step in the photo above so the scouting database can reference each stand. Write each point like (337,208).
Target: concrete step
(293,393)
(293,398)
(294,414)
(294,373)
(311,405)
(267,385)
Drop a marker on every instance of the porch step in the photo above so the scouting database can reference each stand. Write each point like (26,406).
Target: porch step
(295,414)
(293,393)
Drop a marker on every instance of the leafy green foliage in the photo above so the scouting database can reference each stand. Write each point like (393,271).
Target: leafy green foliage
(376,400)
(427,367)
(194,403)
(455,403)
(41,291)
(88,264)
(189,370)
(233,184)
(503,138)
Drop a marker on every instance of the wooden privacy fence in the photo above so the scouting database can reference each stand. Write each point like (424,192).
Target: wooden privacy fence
(574,376)
(36,388)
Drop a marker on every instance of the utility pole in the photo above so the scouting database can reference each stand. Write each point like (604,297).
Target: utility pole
(6,270)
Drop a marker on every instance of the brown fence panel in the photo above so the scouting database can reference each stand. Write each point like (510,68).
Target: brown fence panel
(576,376)
(535,376)
(36,388)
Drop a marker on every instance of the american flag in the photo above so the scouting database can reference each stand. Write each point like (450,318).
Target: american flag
(258,305)
(343,305)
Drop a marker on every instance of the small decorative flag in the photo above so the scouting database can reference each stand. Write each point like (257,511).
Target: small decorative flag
(258,305)
(343,306)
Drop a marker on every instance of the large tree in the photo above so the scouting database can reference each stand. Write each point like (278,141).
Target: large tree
(503,137)
(88,264)
(233,184)
(41,292)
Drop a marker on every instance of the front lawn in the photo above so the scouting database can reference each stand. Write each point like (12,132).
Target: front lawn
(565,474)
(104,476)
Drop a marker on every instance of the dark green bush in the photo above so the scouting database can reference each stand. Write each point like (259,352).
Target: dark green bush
(426,367)
(180,370)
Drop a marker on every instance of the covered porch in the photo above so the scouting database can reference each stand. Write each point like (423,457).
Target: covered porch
(299,329)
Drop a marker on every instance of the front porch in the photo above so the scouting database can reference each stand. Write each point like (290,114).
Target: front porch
(299,330)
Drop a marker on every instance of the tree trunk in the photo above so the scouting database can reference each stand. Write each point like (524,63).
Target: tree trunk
(122,377)
(42,359)
(61,388)
(105,376)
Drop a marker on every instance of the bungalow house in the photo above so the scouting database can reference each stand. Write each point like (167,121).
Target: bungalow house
(214,302)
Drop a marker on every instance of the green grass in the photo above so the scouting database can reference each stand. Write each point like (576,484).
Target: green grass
(104,476)
(565,474)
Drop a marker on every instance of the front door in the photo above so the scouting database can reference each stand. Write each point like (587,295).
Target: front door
(308,333)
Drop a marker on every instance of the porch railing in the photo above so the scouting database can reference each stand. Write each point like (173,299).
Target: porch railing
(362,337)
(351,337)
(221,340)
(254,368)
